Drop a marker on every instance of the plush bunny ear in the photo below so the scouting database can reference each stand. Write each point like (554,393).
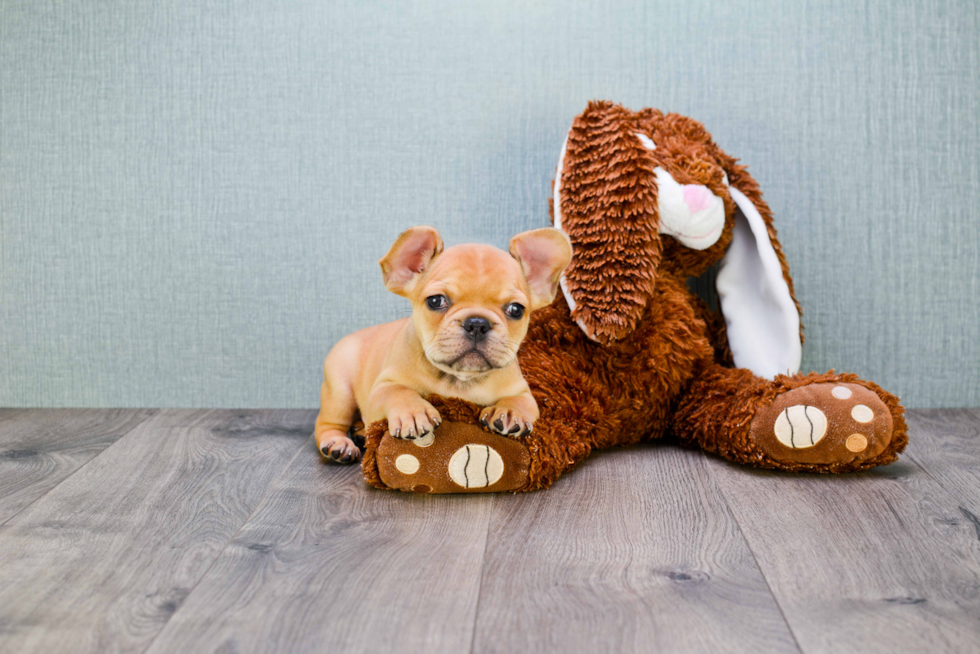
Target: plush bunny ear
(757,302)
(606,202)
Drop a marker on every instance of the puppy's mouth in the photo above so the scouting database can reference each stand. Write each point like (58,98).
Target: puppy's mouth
(470,362)
(470,359)
(455,353)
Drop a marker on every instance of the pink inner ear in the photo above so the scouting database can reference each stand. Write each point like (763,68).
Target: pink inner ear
(536,262)
(413,257)
(416,260)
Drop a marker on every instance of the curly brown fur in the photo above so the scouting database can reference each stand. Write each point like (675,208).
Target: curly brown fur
(717,410)
(608,172)
(658,362)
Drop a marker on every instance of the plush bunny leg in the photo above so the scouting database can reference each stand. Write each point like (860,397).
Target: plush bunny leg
(812,423)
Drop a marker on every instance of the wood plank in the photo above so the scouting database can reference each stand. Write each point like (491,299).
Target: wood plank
(103,560)
(635,551)
(880,561)
(330,564)
(39,448)
(946,444)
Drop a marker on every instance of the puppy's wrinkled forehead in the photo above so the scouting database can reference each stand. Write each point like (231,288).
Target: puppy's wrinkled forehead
(475,273)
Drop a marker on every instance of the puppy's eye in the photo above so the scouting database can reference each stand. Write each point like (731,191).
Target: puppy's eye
(514,310)
(437,302)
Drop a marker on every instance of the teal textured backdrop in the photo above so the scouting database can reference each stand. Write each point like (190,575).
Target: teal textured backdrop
(193,194)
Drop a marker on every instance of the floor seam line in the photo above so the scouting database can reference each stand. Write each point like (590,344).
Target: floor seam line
(76,470)
(483,563)
(955,496)
(228,542)
(755,559)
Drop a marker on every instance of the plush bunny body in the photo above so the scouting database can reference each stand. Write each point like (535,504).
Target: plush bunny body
(628,353)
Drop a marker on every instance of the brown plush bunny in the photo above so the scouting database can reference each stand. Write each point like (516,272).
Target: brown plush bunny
(628,353)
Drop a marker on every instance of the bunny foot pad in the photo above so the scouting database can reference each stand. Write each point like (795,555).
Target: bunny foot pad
(824,423)
(458,458)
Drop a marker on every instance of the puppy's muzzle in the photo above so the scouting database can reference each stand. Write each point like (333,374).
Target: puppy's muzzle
(476,328)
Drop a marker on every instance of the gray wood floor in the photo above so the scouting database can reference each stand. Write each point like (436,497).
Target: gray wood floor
(221,531)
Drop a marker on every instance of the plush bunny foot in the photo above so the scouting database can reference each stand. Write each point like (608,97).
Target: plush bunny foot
(824,423)
(456,458)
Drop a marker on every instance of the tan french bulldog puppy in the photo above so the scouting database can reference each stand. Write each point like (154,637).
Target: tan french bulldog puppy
(470,307)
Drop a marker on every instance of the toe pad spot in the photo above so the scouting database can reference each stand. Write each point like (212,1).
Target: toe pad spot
(862,413)
(856,443)
(407,464)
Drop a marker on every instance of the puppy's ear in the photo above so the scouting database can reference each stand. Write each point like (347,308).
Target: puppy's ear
(409,257)
(543,255)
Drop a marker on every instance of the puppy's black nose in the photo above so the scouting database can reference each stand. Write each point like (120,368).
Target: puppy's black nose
(476,328)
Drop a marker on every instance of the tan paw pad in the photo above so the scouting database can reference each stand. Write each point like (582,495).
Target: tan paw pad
(862,413)
(407,464)
(856,443)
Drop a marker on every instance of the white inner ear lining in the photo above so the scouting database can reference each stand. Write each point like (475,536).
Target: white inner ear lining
(646,141)
(762,320)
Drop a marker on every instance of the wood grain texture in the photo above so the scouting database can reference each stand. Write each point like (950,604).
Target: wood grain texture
(634,552)
(39,448)
(947,447)
(103,560)
(221,531)
(877,561)
(330,564)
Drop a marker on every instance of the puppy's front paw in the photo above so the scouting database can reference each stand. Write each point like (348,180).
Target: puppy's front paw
(414,420)
(339,449)
(507,421)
